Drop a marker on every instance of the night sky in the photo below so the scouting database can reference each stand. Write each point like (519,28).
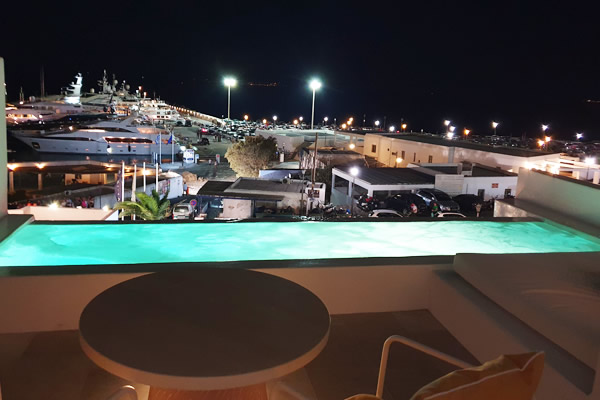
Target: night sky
(471,62)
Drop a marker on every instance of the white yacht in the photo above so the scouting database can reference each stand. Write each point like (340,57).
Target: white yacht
(157,110)
(107,137)
(50,110)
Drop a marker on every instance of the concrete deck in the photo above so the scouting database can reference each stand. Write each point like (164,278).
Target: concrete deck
(51,365)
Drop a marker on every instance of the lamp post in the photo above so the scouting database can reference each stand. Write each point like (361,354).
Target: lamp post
(466,132)
(353,172)
(450,133)
(398,161)
(392,128)
(274,121)
(377,124)
(494,126)
(579,136)
(447,124)
(403,127)
(229,82)
(314,85)
(545,140)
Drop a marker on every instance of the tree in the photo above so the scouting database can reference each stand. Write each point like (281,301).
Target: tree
(248,157)
(149,208)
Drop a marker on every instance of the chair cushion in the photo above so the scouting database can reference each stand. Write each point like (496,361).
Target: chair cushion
(514,377)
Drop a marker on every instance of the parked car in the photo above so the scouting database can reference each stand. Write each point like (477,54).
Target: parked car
(383,213)
(467,202)
(444,202)
(204,142)
(450,215)
(183,211)
(406,203)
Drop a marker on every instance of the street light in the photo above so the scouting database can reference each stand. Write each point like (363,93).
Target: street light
(274,120)
(392,128)
(353,172)
(447,123)
(264,121)
(344,126)
(229,82)
(398,161)
(352,146)
(301,119)
(579,136)
(377,124)
(314,86)
(466,132)
(450,133)
(246,117)
(326,119)
(495,125)
(545,127)
(404,127)
(295,122)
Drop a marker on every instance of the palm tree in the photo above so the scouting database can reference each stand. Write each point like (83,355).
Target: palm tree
(149,208)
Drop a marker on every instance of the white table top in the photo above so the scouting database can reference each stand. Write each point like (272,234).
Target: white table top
(206,329)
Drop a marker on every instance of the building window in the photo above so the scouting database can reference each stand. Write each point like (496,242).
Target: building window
(373,148)
(430,159)
(403,155)
(507,192)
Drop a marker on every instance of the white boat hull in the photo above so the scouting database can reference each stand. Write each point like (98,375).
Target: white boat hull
(45,145)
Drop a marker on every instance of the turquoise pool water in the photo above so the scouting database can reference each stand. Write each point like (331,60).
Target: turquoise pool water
(87,244)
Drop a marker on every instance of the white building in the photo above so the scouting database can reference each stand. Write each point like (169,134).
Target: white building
(413,148)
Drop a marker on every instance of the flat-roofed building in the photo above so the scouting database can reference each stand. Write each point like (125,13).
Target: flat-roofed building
(422,148)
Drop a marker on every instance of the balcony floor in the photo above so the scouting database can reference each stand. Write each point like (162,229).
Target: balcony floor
(51,365)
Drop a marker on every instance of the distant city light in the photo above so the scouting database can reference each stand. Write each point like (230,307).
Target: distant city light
(315,84)
(301,119)
(353,171)
(545,128)
(326,119)
(344,126)
(264,120)
(579,135)
(246,117)
(230,82)
(590,161)
(392,128)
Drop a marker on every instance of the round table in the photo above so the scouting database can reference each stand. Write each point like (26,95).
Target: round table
(210,329)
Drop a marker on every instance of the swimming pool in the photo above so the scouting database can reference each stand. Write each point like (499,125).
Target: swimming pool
(97,244)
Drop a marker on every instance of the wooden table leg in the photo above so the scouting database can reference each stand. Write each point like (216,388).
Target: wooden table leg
(254,392)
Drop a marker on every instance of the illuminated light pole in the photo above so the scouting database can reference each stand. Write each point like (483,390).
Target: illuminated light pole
(353,172)
(352,146)
(325,119)
(314,86)
(229,82)
(392,128)
(404,127)
(579,136)
(274,121)
(447,124)
(246,117)
(398,161)
(466,132)
(301,118)
(450,133)
(494,126)
(377,123)
(264,121)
